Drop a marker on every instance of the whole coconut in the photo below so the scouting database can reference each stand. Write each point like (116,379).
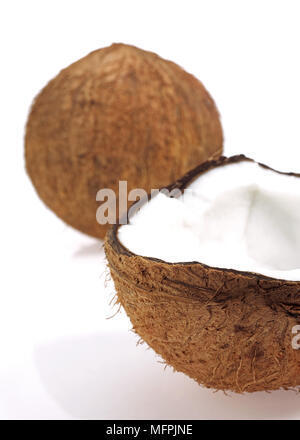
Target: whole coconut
(120,113)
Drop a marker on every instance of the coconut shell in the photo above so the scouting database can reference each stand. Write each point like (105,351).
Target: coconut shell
(226,329)
(120,113)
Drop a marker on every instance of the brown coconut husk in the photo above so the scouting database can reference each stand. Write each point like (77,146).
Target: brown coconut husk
(120,113)
(226,329)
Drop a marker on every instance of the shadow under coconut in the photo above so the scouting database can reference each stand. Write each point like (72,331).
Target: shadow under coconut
(89,250)
(105,376)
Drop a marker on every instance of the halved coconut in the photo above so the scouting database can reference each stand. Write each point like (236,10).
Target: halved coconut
(211,279)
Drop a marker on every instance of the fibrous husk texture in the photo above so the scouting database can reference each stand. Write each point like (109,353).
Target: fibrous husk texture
(226,329)
(120,113)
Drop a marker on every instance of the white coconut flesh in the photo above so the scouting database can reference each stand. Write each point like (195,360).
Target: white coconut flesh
(237,216)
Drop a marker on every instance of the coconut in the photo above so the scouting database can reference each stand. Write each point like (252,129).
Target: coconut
(211,278)
(120,113)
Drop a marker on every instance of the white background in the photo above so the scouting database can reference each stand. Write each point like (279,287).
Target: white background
(60,356)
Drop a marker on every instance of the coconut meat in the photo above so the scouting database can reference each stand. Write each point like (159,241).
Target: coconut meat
(237,216)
